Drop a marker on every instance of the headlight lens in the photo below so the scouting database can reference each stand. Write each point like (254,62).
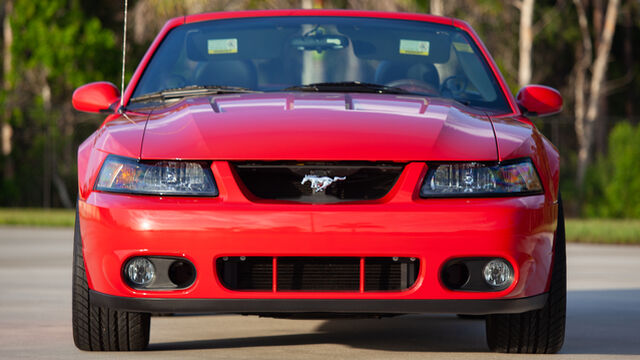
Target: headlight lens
(478,179)
(165,177)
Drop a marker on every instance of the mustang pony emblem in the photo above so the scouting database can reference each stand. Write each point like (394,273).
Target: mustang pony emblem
(319,183)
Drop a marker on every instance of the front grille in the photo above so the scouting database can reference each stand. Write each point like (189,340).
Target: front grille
(240,273)
(318,274)
(283,180)
(389,273)
(351,274)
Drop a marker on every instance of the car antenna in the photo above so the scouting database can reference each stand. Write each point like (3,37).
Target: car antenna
(124,53)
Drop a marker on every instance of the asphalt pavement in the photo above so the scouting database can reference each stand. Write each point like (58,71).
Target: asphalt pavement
(35,316)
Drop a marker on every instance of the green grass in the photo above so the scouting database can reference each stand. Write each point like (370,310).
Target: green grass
(602,231)
(36,217)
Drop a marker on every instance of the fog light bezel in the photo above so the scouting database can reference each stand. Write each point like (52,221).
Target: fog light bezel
(162,279)
(476,281)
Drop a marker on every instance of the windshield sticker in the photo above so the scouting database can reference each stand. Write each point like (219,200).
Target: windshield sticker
(462,47)
(222,46)
(414,47)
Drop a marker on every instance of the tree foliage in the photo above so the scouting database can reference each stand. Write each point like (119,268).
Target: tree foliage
(55,49)
(56,38)
(613,186)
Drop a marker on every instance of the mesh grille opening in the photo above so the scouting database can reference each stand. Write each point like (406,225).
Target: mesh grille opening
(389,274)
(349,181)
(245,273)
(318,273)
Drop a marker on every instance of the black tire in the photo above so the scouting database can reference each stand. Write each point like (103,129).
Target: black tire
(97,328)
(538,331)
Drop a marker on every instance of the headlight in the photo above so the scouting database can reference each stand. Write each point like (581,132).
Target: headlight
(478,179)
(164,177)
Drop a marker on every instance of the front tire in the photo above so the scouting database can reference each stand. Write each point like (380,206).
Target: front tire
(538,331)
(97,328)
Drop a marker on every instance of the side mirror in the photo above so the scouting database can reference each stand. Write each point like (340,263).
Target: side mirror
(539,100)
(96,97)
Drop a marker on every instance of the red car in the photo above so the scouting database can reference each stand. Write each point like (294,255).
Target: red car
(298,163)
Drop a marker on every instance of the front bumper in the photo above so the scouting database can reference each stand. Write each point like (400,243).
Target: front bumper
(319,306)
(115,227)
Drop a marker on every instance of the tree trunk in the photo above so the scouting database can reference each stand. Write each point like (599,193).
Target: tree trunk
(437,7)
(312,4)
(600,127)
(583,63)
(49,148)
(63,194)
(6,131)
(587,111)
(381,5)
(628,58)
(526,42)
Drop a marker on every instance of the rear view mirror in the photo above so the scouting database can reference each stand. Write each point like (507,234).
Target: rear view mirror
(319,42)
(96,97)
(539,100)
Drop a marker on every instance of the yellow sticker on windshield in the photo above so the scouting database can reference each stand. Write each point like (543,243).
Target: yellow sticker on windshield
(463,47)
(222,46)
(414,47)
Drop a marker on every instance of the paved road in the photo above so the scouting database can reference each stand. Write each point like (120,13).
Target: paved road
(35,316)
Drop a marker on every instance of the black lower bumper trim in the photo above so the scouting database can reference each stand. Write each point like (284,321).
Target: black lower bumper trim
(350,306)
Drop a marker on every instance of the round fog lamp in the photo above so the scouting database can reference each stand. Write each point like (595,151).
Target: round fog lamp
(140,271)
(497,273)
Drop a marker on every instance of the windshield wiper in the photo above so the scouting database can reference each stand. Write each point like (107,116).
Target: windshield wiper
(349,86)
(191,90)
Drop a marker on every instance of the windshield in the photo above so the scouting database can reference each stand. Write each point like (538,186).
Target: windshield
(287,53)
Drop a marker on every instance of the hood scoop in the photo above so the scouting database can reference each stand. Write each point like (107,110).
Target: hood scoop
(360,102)
(239,103)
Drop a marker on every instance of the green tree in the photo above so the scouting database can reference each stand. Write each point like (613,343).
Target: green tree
(59,48)
(613,184)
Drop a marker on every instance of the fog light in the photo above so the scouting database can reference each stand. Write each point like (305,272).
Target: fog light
(140,271)
(497,273)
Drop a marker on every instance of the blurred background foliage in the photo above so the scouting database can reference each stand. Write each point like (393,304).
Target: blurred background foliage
(587,49)
(613,182)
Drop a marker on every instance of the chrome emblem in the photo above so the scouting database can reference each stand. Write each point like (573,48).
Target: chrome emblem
(319,183)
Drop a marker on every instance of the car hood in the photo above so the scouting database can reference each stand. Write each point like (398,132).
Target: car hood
(304,126)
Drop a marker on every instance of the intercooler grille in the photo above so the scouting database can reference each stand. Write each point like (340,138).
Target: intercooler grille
(350,181)
(318,274)
(351,274)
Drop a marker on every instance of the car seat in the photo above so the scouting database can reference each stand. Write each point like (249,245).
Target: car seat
(389,71)
(240,73)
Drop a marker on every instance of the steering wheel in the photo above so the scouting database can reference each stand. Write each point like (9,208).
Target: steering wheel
(416,86)
(454,86)
(174,81)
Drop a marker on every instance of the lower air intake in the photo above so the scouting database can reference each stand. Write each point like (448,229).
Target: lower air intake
(317,274)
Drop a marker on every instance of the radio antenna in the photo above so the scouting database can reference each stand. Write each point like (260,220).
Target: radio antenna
(124,54)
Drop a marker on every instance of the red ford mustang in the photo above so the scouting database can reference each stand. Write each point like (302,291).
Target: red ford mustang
(299,163)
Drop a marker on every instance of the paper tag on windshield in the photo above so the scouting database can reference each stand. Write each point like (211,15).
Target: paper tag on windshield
(414,47)
(222,46)
(463,47)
